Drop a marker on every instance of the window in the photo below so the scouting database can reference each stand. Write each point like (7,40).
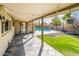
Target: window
(6,24)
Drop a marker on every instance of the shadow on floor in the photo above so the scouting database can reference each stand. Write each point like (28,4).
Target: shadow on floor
(15,48)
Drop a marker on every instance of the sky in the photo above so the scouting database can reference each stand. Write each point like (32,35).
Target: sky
(49,20)
(76,14)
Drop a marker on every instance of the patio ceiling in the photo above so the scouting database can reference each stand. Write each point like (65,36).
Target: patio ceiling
(30,11)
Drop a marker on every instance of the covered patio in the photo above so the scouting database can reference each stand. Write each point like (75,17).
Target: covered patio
(26,41)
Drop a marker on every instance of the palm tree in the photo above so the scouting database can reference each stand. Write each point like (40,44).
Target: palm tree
(56,22)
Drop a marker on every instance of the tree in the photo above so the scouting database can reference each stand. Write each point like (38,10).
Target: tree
(67,17)
(56,22)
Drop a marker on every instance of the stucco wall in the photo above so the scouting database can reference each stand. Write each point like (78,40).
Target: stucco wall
(4,40)
(17,27)
(7,36)
(23,27)
(20,27)
(29,27)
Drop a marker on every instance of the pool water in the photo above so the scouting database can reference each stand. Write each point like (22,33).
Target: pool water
(39,29)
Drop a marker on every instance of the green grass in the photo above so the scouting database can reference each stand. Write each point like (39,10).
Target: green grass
(67,45)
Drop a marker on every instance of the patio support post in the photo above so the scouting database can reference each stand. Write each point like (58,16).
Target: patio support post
(33,28)
(26,26)
(20,27)
(42,37)
(42,34)
(39,23)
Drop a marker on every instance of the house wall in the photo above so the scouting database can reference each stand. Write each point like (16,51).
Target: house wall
(7,36)
(29,27)
(17,27)
(23,27)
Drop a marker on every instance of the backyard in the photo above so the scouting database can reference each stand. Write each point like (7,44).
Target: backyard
(61,32)
(67,45)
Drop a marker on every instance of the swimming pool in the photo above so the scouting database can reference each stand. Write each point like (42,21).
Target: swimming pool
(39,29)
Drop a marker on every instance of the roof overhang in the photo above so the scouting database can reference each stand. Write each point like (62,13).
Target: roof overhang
(32,11)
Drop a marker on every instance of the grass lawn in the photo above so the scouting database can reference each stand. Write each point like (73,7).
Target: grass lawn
(67,45)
